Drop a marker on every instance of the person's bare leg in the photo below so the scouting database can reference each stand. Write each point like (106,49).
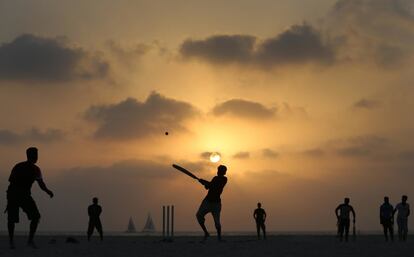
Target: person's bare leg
(10,227)
(33,228)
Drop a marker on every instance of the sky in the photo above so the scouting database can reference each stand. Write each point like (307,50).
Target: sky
(307,102)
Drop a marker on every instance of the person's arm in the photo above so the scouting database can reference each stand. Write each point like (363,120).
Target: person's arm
(205,183)
(43,186)
(353,214)
(336,211)
(264,215)
(408,213)
(254,214)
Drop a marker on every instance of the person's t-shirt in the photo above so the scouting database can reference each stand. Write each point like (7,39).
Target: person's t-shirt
(386,211)
(22,177)
(259,214)
(94,211)
(215,189)
(344,209)
(403,210)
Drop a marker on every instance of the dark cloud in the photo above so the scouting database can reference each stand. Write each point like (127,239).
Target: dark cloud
(8,137)
(362,146)
(242,155)
(375,30)
(30,57)
(220,48)
(269,153)
(314,152)
(299,44)
(366,104)
(131,118)
(244,109)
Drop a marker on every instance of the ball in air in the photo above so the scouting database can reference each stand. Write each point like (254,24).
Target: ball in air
(166,133)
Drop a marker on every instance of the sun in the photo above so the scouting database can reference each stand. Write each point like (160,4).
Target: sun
(215,157)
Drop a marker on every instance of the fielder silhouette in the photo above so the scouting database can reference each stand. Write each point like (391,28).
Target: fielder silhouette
(342,214)
(94,212)
(21,179)
(260,216)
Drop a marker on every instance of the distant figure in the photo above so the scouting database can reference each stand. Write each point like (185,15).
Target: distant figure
(342,214)
(212,202)
(403,209)
(260,216)
(94,211)
(387,218)
(19,195)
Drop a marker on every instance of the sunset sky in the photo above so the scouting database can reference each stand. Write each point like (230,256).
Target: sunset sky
(306,101)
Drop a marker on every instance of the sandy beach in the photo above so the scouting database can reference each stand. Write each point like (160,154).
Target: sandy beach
(182,246)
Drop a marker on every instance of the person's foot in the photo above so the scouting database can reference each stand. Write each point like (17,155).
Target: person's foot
(206,236)
(32,245)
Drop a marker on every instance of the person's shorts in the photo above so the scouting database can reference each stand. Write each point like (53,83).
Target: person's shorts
(26,202)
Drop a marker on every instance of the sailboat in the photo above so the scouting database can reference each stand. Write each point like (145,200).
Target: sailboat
(131,226)
(149,225)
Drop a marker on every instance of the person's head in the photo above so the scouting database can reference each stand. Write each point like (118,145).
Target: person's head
(259,205)
(95,200)
(346,200)
(31,154)
(386,199)
(404,198)
(221,170)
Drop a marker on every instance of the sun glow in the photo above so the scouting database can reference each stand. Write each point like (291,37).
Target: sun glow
(215,157)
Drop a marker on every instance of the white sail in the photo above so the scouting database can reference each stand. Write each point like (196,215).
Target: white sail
(149,225)
(131,226)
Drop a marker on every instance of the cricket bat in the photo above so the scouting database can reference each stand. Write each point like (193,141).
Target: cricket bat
(188,173)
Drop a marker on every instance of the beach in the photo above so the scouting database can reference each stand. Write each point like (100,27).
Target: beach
(183,246)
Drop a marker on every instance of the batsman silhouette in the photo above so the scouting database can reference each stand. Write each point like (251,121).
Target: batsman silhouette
(212,202)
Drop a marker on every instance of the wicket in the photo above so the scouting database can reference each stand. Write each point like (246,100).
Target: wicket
(167,227)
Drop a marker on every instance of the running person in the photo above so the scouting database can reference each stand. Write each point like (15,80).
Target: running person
(94,211)
(387,218)
(19,195)
(260,216)
(403,209)
(342,214)
(212,202)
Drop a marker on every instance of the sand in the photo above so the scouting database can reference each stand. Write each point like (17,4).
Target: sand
(239,246)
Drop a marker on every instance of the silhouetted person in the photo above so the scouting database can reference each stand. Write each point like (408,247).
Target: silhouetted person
(19,195)
(342,214)
(212,202)
(94,211)
(260,216)
(403,209)
(387,218)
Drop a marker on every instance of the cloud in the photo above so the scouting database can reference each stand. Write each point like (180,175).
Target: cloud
(8,137)
(220,48)
(362,146)
(244,109)
(131,119)
(366,104)
(377,30)
(297,45)
(30,57)
(314,152)
(269,153)
(242,155)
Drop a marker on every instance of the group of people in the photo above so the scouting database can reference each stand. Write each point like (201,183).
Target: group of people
(386,214)
(21,179)
(24,174)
